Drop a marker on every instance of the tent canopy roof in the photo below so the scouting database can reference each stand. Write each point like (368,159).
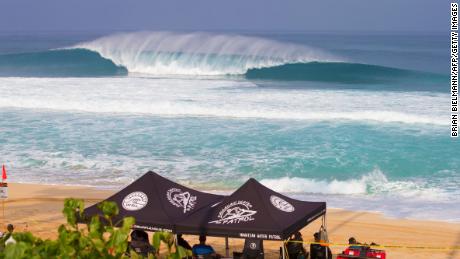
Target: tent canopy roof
(156,202)
(253,211)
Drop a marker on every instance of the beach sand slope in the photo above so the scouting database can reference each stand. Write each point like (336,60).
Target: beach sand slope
(37,208)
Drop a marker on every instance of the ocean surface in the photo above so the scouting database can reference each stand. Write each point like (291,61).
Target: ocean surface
(360,121)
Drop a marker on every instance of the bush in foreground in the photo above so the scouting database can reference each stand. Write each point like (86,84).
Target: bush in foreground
(94,240)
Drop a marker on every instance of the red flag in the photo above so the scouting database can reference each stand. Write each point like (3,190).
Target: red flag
(3,173)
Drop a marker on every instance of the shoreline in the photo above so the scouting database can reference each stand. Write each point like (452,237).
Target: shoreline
(37,208)
(228,191)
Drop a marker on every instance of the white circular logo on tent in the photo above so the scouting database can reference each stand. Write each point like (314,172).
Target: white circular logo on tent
(253,246)
(281,204)
(135,201)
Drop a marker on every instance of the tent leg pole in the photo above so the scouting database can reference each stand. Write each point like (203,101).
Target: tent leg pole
(227,250)
(283,250)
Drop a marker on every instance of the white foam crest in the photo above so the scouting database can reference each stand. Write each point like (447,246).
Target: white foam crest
(198,53)
(373,183)
(220,98)
(305,185)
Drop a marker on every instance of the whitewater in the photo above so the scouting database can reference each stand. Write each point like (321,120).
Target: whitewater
(321,117)
(217,98)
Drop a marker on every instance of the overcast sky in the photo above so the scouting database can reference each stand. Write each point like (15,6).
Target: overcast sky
(250,15)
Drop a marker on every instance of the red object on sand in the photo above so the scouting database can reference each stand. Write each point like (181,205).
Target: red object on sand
(3,173)
(356,252)
(373,253)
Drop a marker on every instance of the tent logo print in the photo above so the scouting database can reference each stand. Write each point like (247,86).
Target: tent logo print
(235,212)
(135,201)
(181,199)
(281,204)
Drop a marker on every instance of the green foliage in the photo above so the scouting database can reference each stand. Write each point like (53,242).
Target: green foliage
(109,209)
(174,251)
(100,239)
(73,208)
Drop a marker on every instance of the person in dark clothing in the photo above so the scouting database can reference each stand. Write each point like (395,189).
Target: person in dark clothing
(362,248)
(182,242)
(319,251)
(295,249)
(202,249)
(352,241)
(354,244)
(140,243)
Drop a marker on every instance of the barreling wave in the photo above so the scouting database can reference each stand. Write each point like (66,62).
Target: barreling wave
(198,54)
(201,54)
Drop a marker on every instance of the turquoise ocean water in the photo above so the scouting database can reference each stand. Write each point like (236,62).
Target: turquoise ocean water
(361,121)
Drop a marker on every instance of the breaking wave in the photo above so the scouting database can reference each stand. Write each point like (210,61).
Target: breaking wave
(373,183)
(169,53)
(200,54)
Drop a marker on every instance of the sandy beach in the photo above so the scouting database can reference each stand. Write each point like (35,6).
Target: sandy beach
(37,208)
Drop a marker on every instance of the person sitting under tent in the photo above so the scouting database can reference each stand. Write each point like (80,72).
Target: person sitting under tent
(140,243)
(295,247)
(182,242)
(202,250)
(319,251)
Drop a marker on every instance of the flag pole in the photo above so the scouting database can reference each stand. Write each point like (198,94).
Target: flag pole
(3,214)
(3,210)
(4,187)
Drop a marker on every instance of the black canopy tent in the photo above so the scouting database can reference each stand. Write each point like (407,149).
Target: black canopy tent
(253,211)
(156,203)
